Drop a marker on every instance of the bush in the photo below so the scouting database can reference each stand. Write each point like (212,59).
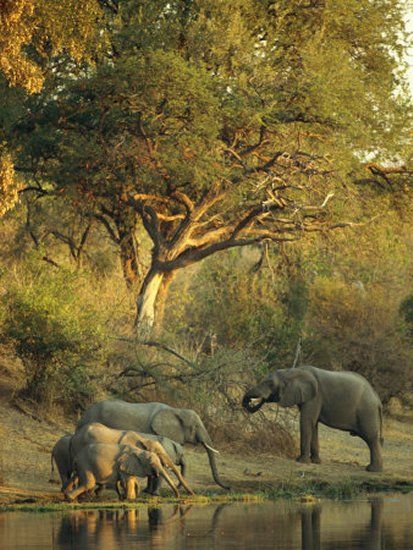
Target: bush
(212,385)
(360,329)
(228,301)
(57,332)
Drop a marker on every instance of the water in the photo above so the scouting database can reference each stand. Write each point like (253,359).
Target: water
(373,523)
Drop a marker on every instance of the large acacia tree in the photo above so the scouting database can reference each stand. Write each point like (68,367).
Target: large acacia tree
(214,125)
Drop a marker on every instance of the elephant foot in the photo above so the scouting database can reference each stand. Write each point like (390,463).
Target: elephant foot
(304,459)
(374,468)
(316,460)
(151,493)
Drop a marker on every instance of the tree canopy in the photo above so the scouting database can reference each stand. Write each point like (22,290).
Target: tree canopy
(212,125)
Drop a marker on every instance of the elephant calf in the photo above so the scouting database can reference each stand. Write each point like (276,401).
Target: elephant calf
(98,433)
(114,466)
(61,457)
(342,400)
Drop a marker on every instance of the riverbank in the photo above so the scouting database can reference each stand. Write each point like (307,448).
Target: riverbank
(27,438)
(27,441)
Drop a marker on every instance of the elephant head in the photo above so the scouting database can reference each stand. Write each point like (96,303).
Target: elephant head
(185,426)
(137,462)
(286,387)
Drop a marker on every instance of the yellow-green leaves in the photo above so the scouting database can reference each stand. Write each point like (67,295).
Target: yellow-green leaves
(8,183)
(40,27)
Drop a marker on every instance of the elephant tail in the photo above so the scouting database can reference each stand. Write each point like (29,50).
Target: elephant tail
(51,480)
(381,425)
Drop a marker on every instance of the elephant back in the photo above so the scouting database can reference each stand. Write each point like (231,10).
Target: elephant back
(121,415)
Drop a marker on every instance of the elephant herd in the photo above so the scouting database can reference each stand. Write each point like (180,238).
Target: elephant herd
(117,443)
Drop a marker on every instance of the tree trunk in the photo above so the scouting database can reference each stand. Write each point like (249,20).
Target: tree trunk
(161,300)
(151,302)
(146,303)
(129,260)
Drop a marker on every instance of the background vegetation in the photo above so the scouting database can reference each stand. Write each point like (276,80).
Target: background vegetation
(209,185)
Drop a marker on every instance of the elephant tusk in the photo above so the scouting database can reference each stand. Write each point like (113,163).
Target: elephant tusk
(211,448)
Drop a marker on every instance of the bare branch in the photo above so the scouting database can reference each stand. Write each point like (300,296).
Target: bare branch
(160,345)
(115,238)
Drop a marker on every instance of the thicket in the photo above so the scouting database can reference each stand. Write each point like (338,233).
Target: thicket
(229,321)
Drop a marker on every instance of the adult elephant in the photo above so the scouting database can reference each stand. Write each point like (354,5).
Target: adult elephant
(180,425)
(342,400)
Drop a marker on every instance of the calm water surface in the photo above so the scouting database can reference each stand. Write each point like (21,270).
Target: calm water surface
(373,523)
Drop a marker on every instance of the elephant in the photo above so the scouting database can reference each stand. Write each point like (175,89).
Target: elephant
(99,433)
(61,457)
(116,466)
(342,400)
(180,425)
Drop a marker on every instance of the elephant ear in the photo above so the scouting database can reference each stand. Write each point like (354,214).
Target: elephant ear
(127,463)
(297,388)
(167,423)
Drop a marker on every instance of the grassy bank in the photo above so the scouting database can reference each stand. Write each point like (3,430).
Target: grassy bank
(27,440)
(306,492)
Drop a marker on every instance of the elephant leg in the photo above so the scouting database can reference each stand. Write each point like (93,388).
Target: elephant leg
(69,484)
(132,488)
(87,484)
(149,486)
(155,483)
(99,490)
(120,489)
(315,448)
(308,420)
(369,432)
(183,467)
(376,461)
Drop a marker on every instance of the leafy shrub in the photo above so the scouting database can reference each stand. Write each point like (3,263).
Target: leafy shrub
(57,332)
(213,385)
(360,329)
(227,300)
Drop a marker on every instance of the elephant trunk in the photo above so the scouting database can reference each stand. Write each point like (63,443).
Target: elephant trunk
(251,408)
(183,467)
(214,470)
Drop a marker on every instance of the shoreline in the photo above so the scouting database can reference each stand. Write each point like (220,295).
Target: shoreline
(306,493)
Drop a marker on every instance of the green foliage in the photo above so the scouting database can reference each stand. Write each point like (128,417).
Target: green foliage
(57,332)
(354,329)
(227,298)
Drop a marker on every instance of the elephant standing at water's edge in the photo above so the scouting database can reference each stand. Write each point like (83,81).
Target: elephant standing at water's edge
(342,400)
(180,425)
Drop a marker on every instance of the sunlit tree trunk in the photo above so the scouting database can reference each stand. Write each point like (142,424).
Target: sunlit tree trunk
(161,301)
(146,303)
(151,302)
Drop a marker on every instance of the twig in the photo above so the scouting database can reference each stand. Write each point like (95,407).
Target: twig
(297,354)
(153,344)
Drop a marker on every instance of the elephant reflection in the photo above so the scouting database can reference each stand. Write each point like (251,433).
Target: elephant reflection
(102,529)
(113,528)
(369,537)
(310,528)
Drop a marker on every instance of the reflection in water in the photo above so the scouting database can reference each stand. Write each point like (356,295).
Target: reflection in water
(380,522)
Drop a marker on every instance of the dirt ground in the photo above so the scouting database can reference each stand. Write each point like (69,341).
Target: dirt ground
(27,440)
